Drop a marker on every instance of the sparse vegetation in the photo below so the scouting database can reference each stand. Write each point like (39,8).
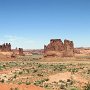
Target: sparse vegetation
(25,70)
(87,87)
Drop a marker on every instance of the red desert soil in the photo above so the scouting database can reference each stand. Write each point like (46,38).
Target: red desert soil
(66,75)
(20,87)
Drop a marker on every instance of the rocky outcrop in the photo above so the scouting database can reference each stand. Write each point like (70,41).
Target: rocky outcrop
(5,47)
(68,48)
(55,45)
(21,52)
(57,48)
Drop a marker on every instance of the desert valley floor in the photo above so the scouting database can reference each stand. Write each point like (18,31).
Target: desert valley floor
(38,73)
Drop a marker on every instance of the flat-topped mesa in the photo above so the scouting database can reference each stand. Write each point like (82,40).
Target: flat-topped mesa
(55,40)
(5,47)
(55,45)
(57,48)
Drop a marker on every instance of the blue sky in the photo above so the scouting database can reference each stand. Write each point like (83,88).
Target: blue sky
(32,23)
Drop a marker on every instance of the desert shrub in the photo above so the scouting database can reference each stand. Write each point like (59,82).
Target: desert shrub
(14,89)
(37,83)
(34,71)
(39,65)
(1,67)
(20,73)
(73,89)
(40,82)
(74,70)
(46,79)
(11,88)
(20,82)
(28,82)
(62,86)
(15,76)
(40,75)
(46,86)
(27,70)
(2,81)
(88,72)
(59,67)
(87,87)
(70,82)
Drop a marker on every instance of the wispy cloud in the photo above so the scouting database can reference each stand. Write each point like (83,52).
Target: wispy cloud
(16,38)
(17,41)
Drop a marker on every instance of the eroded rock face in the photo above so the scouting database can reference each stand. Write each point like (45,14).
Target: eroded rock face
(55,45)
(57,48)
(21,52)
(69,48)
(5,47)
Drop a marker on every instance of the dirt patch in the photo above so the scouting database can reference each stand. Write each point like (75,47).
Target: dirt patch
(20,87)
(65,76)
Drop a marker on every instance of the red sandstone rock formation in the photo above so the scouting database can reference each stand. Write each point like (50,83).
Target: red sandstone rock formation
(58,48)
(21,52)
(55,45)
(69,48)
(5,47)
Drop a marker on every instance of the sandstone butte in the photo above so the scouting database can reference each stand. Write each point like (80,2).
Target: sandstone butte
(5,47)
(57,48)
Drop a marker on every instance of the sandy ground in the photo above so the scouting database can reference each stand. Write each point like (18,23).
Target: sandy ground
(60,76)
(19,87)
(66,75)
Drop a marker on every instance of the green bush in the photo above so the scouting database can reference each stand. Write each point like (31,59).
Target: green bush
(28,82)
(74,89)
(20,72)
